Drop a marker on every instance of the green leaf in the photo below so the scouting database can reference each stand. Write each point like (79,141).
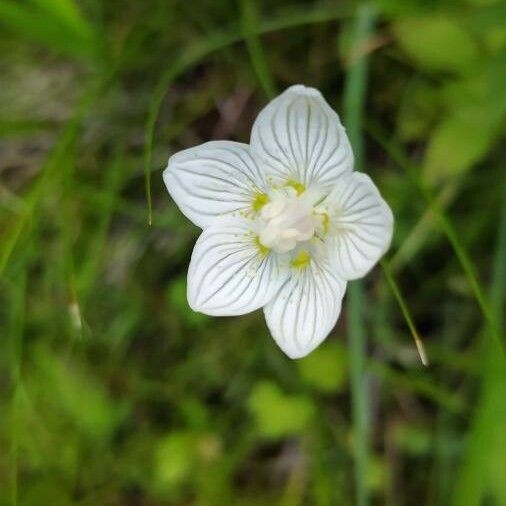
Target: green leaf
(326,368)
(437,43)
(175,457)
(277,414)
(45,27)
(476,106)
(67,12)
(481,95)
(182,454)
(456,145)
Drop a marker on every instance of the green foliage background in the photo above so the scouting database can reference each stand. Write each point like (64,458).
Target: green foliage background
(113,392)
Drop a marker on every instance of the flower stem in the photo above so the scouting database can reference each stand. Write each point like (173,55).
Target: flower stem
(405,311)
(355,87)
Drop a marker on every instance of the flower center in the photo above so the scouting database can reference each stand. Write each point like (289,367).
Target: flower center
(287,220)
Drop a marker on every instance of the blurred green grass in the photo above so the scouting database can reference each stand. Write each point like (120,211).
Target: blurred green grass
(112,392)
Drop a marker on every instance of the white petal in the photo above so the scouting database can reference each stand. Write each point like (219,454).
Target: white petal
(302,314)
(214,179)
(361,225)
(228,274)
(299,137)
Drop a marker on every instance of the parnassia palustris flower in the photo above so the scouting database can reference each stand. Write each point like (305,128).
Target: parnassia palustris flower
(286,221)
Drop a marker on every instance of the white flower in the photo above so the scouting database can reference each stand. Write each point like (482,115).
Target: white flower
(286,222)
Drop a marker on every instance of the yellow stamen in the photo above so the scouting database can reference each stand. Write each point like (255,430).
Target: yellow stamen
(325,223)
(301,260)
(259,201)
(264,250)
(298,187)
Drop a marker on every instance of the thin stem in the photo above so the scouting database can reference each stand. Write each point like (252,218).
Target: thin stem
(405,311)
(356,81)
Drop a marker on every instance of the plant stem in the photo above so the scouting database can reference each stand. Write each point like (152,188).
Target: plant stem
(355,89)
(405,311)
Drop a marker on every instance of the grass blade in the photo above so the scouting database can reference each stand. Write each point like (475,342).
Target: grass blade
(482,471)
(49,29)
(249,20)
(355,89)
(405,311)
(68,12)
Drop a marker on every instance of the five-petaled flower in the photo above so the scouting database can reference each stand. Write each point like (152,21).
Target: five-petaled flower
(286,221)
